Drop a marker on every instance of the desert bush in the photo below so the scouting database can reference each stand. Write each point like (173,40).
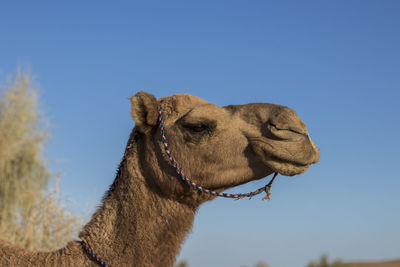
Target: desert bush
(31,215)
(181,264)
(323,262)
(262,264)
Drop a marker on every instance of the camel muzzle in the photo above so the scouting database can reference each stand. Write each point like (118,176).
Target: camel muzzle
(279,137)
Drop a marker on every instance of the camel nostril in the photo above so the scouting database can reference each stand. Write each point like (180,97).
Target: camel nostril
(286,119)
(286,132)
(298,131)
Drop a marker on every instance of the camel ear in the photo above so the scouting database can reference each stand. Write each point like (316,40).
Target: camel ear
(144,110)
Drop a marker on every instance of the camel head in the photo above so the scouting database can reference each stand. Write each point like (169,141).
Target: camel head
(221,147)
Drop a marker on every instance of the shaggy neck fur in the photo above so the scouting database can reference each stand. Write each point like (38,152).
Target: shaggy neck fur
(136,222)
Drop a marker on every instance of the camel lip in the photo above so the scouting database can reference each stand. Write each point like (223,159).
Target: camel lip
(267,149)
(296,164)
(263,139)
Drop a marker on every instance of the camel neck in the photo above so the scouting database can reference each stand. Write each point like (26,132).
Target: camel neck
(136,224)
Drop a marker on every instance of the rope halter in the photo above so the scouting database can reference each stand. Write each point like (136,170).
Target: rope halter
(181,175)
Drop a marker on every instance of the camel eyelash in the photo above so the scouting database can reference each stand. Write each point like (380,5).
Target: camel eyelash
(200,127)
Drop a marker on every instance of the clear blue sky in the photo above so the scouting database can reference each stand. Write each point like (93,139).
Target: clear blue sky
(337,63)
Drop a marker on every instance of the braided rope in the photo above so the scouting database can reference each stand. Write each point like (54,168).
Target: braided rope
(94,255)
(266,188)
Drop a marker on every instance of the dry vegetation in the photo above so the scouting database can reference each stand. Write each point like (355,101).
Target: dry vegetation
(323,262)
(31,215)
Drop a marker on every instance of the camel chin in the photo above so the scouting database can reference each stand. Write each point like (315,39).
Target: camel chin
(286,168)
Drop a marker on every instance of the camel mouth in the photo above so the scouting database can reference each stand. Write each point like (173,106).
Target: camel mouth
(288,157)
(286,168)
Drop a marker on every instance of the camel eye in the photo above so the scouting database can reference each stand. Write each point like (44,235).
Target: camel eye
(198,127)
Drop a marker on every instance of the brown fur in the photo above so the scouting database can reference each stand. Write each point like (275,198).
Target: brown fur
(144,221)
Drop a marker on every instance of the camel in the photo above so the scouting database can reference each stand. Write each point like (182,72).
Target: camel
(147,212)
